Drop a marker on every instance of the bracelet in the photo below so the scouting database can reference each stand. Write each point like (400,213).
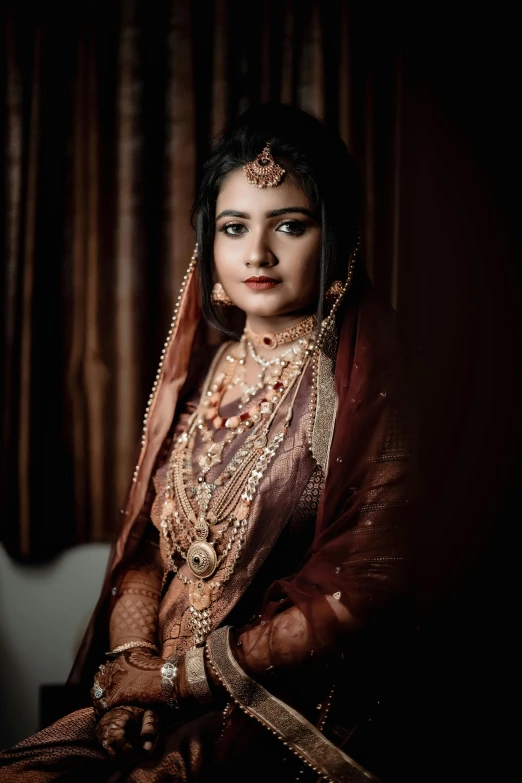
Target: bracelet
(130,645)
(169,674)
(196,675)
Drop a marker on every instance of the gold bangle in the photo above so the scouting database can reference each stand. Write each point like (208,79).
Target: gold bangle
(196,675)
(130,645)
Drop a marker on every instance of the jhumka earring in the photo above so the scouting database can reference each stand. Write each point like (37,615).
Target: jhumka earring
(264,172)
(219,296)
(334,290)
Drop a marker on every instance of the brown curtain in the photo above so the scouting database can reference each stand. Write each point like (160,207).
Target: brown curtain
(109,110)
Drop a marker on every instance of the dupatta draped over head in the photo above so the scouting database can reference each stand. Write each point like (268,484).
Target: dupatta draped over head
(362,439)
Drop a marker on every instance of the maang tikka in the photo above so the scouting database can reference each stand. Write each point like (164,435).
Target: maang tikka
(264,172)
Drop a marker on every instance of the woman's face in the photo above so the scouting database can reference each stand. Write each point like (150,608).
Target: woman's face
(268,233)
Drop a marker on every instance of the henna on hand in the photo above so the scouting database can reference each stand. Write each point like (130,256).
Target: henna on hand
(125,729)
(133,678)
(135,613)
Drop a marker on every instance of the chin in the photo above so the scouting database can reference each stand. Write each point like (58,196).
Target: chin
(261,311)
(261,306)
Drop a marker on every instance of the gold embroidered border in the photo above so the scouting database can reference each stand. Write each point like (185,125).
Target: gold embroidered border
(287,724)
(326,406)
(196,674)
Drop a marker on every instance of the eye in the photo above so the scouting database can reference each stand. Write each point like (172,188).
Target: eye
(294,227)
(233,229)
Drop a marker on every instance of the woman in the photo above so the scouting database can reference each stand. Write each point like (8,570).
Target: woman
(262,558)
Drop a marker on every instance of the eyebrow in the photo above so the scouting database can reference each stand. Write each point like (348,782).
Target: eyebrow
(272,213)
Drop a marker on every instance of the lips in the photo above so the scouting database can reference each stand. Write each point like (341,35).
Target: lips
(261,279)
(261,283)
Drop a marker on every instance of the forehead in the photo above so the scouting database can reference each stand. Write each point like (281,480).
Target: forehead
(236,193)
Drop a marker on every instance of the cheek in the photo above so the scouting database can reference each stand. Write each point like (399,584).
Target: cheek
(222,255)
(217,249)
(306,269)
(227,250)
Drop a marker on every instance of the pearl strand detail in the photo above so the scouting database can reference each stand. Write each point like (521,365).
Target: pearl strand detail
(327,322)
(166,346)
(330,317)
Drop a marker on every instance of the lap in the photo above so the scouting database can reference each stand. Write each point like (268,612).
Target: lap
(69,751)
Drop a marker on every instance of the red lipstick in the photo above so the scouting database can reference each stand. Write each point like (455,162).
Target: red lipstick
(261,283)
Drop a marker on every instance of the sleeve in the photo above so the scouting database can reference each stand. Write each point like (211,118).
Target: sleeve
(356,575)
(135,613)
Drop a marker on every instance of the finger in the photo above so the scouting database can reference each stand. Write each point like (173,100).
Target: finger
(116,741)
(149,729)
(113,730)
(126,735)
(106,745)
(101,731)
(108,737)
(119,742)
(149,723)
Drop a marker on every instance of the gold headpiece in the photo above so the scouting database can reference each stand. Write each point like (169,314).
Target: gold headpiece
(264,172)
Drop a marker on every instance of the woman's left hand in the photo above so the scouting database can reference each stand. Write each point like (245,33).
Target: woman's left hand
(133,678)
(125,729)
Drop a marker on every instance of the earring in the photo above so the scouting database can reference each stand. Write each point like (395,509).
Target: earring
(219,296)
(334,290)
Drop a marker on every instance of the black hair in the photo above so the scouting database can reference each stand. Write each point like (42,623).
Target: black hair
(319,163)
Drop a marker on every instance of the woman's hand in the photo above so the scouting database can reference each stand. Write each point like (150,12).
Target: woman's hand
(124,729)
(133,678)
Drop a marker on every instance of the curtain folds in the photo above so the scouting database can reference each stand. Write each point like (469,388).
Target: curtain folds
(109,110)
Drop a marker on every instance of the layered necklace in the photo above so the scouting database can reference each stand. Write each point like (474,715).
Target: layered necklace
(205,522)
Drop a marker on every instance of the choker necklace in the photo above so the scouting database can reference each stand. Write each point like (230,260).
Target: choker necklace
(273,339)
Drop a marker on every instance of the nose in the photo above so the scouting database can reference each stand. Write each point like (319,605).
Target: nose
(258,253)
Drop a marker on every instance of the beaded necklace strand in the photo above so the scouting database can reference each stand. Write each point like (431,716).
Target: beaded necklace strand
(188,538)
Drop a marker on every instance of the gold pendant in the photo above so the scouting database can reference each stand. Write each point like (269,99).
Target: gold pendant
(203,494)
(202,559)
(201,529)
(199,596)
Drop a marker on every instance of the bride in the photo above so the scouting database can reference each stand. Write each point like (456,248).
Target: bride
(261,567)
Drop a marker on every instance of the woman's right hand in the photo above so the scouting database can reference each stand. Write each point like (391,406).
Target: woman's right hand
(124,729)
(133,678)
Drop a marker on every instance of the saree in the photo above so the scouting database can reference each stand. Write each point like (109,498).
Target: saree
(334,517)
